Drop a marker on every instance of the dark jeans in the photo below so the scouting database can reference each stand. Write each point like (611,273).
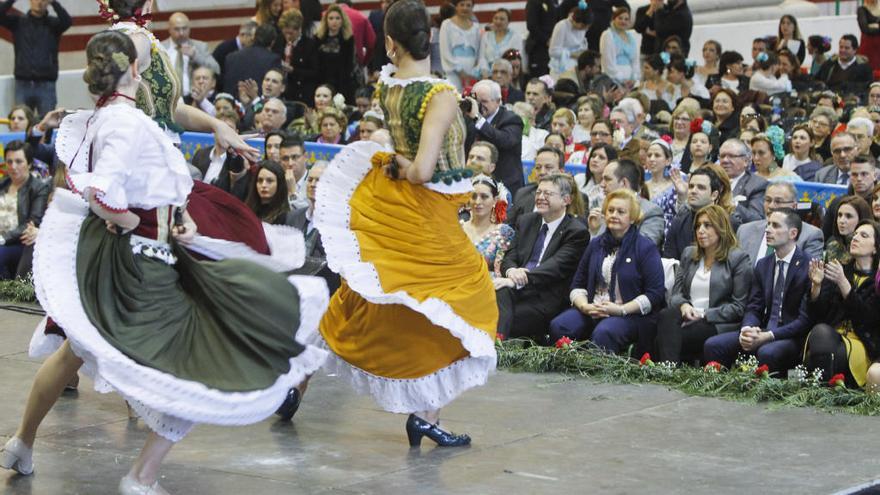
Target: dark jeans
(778,355)
(9,257)
(39,95)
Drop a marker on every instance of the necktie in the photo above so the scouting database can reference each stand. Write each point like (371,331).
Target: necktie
(178,64)
(535,258)
(776,306)
(842,179)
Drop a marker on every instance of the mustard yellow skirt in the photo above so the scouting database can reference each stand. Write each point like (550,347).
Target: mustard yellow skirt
(414,321)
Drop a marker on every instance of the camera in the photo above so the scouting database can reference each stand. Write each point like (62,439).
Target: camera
(466,106)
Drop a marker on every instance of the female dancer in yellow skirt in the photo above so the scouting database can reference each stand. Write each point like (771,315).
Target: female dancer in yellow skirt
(414,321)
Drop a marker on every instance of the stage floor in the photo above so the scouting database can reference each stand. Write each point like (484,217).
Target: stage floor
(533,434)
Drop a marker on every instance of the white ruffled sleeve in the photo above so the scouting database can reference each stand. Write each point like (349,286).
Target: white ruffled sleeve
(115,150)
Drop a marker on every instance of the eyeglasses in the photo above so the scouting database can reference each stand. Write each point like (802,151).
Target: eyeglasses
(682,118)
(730,156)
(819,123)
(546,194)
(777,201)
(843,150)
(599,134)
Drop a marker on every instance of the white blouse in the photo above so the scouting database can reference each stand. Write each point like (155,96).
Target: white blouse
(769,84)
(491,50)
(134,163)
(700,287)
(8,212)
(564,42)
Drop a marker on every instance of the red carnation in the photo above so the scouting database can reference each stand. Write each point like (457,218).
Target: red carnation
(667,138)
(712,366)
(562,342)
(697,125)
(646,360)
(837,380)
(762,371)
(499,337)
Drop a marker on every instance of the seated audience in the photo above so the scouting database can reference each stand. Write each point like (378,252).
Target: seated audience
(548,161)
(292,154)
(846,73)
(706,185)
(776,318)
(710,292)
(540,263)
(843,151)
(726,110)
(625,174)
(486,227)
(21,118)
(332,123)
(267,194)
(753,235)
(802,159)
(848,212)
(590,183)
(250,63)
(823,120)
(746,188)
(618,289)
(23,200)
(845,308)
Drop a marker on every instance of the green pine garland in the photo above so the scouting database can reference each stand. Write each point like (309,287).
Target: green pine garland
(739,384)
(18,290)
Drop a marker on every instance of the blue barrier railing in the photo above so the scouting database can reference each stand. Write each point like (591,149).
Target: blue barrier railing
(808,192)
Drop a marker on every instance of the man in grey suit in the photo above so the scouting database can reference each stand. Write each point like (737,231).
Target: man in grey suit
(185,52)
(747,189)
(626,174)
(753,237)
(843,151)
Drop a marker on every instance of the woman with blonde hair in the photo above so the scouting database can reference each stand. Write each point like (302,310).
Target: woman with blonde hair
(563,123)
(710,292)
(268,11)
(588,111)
(335,46)
(618,289)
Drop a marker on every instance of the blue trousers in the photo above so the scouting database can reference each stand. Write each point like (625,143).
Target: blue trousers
(778,355)
(9,258)
(612,334)
(39,95)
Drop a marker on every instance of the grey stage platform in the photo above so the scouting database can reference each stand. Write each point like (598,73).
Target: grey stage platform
(533,434)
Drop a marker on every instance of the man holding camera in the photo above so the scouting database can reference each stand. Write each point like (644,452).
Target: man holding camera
(488,121)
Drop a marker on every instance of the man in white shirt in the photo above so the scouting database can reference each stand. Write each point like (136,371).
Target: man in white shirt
(293,160)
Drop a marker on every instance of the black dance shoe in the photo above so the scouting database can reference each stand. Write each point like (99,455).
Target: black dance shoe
(416,428)
(290,405)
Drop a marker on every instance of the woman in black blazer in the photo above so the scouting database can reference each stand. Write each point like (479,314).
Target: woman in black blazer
(711,289)
(23,199)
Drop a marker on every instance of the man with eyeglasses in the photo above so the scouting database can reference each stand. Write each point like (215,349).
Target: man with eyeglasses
(540,263)
(753,236)
(862,130)
(502,73)
(548,161)
(746,189)
(843,151)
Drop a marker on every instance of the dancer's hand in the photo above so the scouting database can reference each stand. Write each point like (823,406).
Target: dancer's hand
(227,138)
(185,233)
(398,167)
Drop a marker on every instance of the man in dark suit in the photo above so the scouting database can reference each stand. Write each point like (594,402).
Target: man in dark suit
(548,161)
(302,220)
(746,189)
(704,188)
(776,318)
(251,62)
(540,263)
(844,149)
(299,58)
(222,170)
(489,121)
(541,18)
(244,39)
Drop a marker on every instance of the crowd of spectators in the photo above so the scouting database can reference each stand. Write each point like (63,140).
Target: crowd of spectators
(684,236)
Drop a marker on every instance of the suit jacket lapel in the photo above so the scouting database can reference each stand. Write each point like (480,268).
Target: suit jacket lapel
(796,265)
(529,237)
(553,245)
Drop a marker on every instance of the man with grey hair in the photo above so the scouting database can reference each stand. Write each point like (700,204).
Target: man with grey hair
(502,73)
(489,121)
(862,130)
(624,119)
(273,115)
(540,263)
(753,236)
(843,150)
(746,190)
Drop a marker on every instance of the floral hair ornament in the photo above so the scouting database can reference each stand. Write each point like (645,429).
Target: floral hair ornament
(664,56)
(339,101)
(690,63)
(108,14)
(777,138)
(762,57)
(697,125)
(121,60)
(546,79)
(582,5)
